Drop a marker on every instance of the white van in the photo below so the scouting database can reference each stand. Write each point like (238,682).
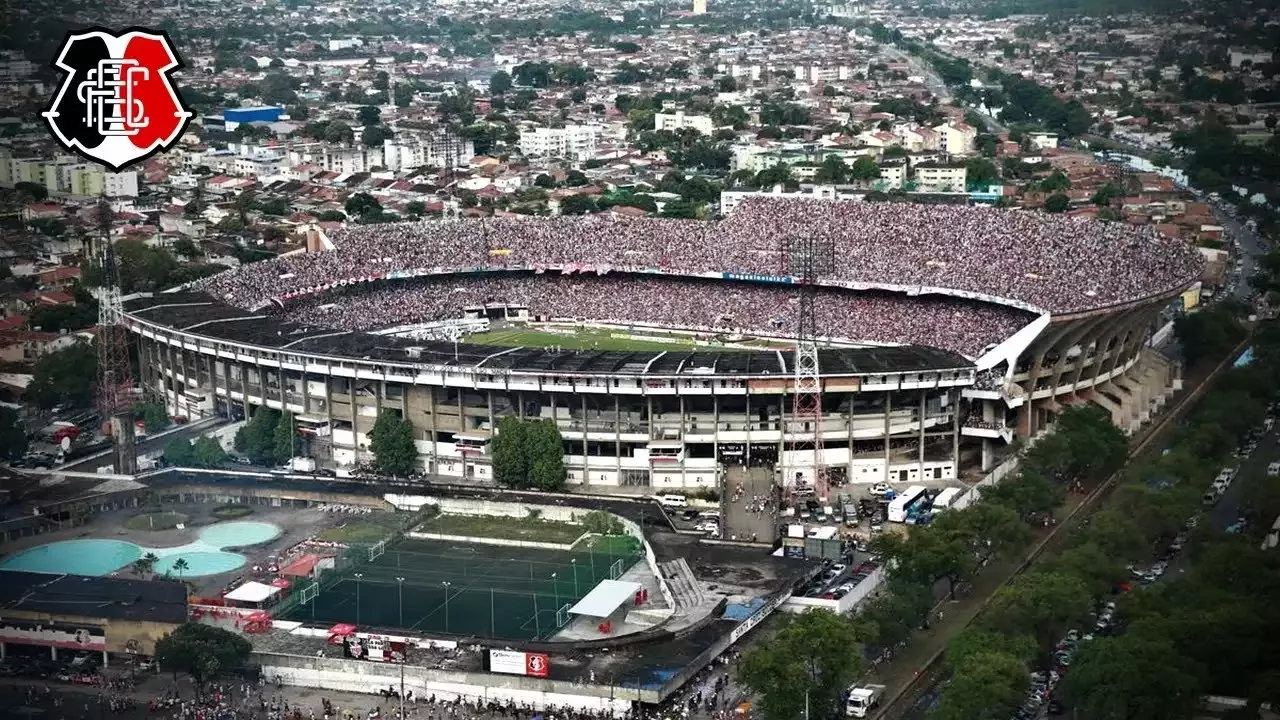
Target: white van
(1273,469)
(673,501)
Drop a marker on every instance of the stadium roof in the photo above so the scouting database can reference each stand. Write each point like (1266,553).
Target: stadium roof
(160,601)
(605,598)
(201,314)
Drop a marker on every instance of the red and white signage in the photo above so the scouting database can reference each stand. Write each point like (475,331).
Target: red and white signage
(68,637)
(513,662)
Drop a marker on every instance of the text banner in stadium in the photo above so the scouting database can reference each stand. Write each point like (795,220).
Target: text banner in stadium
(512,662)
(753,277)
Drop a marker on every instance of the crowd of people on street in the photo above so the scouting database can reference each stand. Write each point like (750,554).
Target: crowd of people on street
(1051,262)
(704,305)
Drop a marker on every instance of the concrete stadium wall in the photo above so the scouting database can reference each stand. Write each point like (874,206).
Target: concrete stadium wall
(506,542)
(361,676)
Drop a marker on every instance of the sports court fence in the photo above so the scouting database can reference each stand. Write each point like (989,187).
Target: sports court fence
(439,587)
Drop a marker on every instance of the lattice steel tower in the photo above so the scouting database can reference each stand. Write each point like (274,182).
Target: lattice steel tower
(115,375)
(807,259)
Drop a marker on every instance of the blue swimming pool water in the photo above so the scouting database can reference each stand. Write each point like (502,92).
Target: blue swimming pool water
(89,556)
(238,534)
(200,563)
(94,556)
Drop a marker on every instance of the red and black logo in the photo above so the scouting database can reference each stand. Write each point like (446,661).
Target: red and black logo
(117,105)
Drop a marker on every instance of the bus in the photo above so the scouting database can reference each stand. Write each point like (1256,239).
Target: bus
(902,504)
(945,499)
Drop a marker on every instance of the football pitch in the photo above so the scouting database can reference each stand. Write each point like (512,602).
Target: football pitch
(592,339)
(463,589)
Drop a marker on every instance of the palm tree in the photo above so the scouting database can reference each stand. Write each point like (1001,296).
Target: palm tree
(146,564)
(179,565)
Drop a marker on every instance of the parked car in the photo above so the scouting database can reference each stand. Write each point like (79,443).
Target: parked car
(879,489)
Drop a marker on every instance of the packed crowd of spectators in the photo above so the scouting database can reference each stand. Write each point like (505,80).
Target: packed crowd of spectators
(1052,262)
(706,305)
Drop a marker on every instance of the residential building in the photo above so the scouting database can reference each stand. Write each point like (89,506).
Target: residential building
(893,174)
(574,142)
(941,177)
(441,149)
(956,138)
(679,120)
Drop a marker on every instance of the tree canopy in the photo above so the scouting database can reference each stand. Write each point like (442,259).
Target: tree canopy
(812,658)
(528,454)
(202,651)
(391,441)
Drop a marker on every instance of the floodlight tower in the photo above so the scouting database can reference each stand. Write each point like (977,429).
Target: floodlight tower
(115,376)
(806,259)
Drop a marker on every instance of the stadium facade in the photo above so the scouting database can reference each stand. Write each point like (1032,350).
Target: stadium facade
(666,420)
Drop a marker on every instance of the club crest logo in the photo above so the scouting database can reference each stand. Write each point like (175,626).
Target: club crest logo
(117,104)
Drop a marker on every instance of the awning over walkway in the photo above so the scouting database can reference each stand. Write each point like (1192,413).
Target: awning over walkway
(605,598)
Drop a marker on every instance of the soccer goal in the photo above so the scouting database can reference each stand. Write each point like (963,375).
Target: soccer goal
(309,593)
(562,616)
(376,550)
(615,570)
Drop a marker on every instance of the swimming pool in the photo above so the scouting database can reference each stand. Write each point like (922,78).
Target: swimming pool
(90,556)
(100,556)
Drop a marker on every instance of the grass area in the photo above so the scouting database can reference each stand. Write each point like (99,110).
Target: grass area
(609,544)
(507,528)
(357,532)
(592,339)
(231,512)
(160,520)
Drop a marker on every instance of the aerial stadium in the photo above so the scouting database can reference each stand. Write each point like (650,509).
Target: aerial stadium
(665,350)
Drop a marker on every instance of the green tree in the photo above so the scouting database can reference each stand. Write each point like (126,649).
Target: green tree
(152,415)
(145,565)
(981,171)
(577,205)
(988,686)
(180,566)
(374,135)
(1042,604)
(284,440)
(864,169)
(339,133)
(204,652)
(1057,203)
(1055,182)
(364,206)
(179,453)
(64,377)
(13,437)
(510,462)
(680,209)
(809,662)
(833,170)
(369,115)
(1133,677)
(391,441)
(257,439)
(499,83)
(545,455)
(208,453)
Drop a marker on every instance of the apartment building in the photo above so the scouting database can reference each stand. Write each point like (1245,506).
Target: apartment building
(956,138)
(941,177)
(442,149)
(574,142)
(679,120)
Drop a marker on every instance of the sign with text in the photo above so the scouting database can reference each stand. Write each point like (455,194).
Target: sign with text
(514,662)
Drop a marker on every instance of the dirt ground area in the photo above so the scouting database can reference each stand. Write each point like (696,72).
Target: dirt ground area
(295,526)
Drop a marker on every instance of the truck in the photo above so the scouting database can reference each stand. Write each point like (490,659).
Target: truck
(302,464)
(862,699)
